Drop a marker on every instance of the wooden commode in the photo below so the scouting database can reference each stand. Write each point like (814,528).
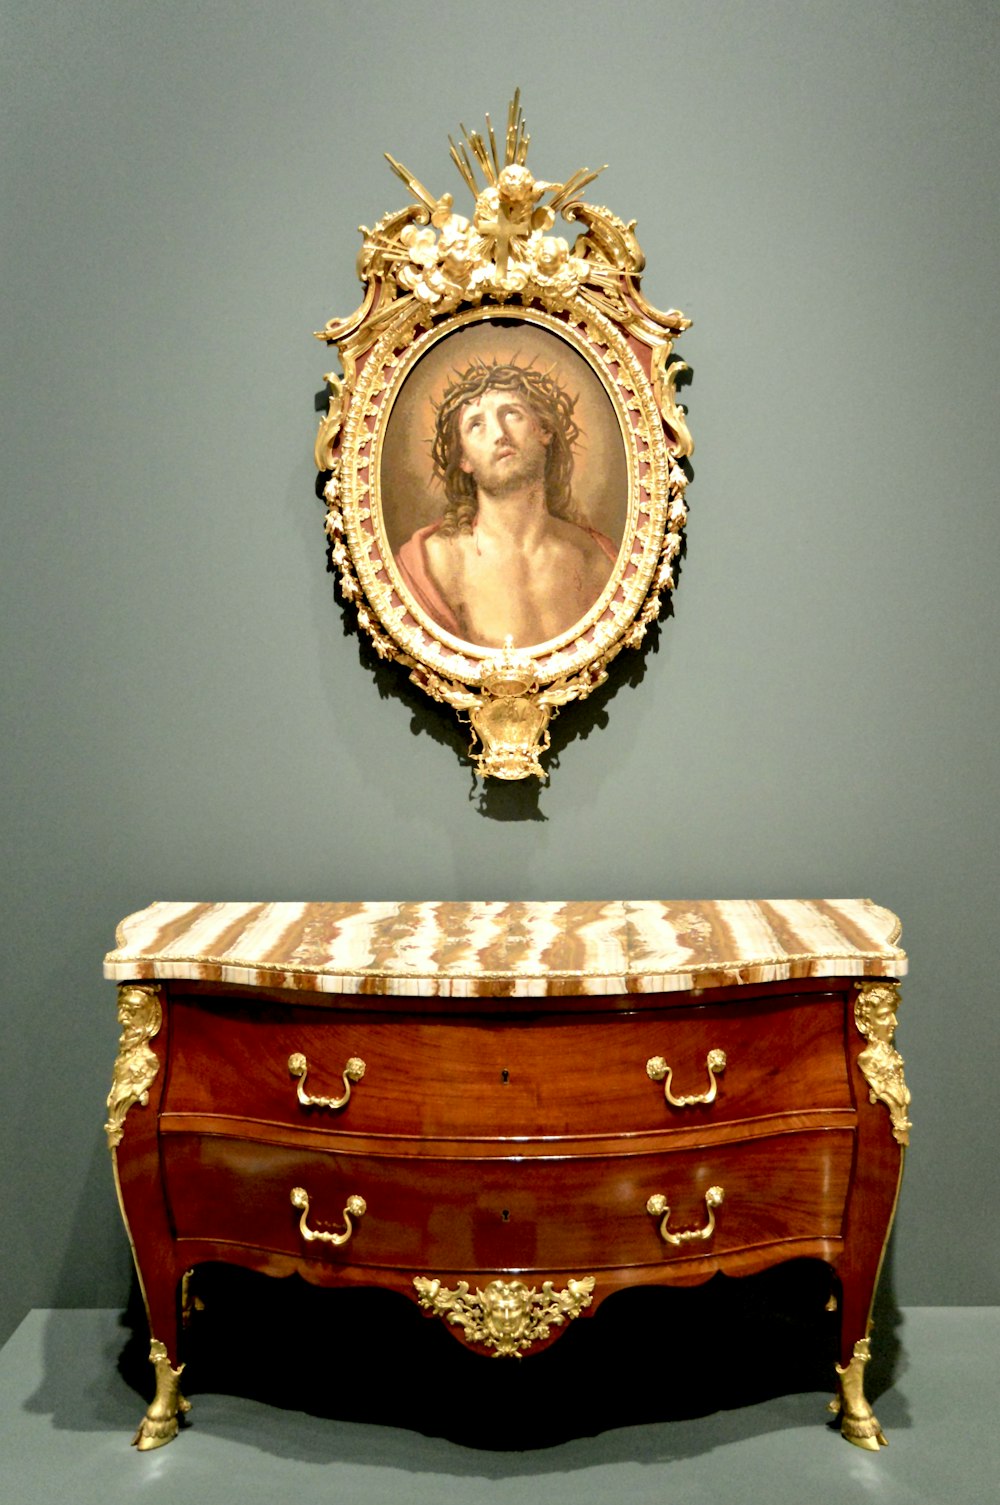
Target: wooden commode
(413,1096)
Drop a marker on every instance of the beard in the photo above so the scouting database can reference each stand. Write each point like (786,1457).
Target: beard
(521,468)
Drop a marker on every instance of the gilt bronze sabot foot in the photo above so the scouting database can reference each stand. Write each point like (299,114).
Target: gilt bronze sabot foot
(858,1422)
(160,1423)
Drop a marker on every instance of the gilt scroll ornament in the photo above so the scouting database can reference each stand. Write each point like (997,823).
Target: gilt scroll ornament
(506,1315)
(140,1015)
(503,457)
(881,1064)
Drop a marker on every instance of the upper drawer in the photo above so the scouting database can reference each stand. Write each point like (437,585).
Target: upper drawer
(502,1078)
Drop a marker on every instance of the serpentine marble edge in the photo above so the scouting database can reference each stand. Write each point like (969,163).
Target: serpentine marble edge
(496,949)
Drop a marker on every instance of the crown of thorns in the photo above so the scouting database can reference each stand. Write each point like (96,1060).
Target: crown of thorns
(550,400)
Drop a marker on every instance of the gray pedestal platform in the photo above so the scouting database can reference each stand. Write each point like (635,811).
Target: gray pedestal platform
(66,1418)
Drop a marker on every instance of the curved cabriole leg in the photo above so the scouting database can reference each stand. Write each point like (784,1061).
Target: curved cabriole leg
(858,1422)
(871,1206)
(159,1425)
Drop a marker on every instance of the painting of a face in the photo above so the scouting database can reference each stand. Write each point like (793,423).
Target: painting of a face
(503,444)
(503,483)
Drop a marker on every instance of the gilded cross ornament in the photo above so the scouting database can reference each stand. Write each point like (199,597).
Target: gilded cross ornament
(504,458)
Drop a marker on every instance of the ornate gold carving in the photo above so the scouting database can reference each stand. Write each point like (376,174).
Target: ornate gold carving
(140,1016)
(657,1207)
(875,1016)
(657,1069)
(355,1207)
(330,425)
(441,259)
(506,1315)
(353,1071)
(858,1422)
(509,720)
(428,272)
(159,1425)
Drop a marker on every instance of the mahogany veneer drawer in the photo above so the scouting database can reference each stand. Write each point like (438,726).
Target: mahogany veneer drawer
(540,1212)
(460,1077)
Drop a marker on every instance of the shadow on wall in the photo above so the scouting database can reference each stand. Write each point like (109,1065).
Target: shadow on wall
(521,800)
(95,1230)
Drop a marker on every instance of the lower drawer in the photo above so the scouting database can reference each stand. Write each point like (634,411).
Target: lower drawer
(509,1214)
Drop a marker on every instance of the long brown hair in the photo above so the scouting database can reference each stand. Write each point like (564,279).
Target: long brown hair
(552,407)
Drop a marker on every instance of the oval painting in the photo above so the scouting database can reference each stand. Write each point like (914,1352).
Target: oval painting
(504,484)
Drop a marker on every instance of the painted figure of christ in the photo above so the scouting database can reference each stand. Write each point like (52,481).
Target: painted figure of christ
(508,558)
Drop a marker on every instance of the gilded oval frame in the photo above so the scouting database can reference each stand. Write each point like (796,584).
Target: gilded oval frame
(430,273)
(610,358)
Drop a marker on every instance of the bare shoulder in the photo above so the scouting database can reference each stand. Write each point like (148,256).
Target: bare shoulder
(580,539)
(445,555)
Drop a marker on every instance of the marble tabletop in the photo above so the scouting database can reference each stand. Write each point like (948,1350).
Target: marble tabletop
(498,949)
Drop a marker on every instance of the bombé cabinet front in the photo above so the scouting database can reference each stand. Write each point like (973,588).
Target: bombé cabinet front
(507,1113)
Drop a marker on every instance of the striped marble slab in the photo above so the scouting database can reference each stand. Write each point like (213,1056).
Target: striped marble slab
(486,949)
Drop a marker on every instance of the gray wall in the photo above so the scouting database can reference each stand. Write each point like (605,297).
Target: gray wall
(816,185)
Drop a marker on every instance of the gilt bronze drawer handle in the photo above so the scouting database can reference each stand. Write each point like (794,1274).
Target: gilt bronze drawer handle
(356,1208)
(353,1072)
(657,1205)
(657,1069)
